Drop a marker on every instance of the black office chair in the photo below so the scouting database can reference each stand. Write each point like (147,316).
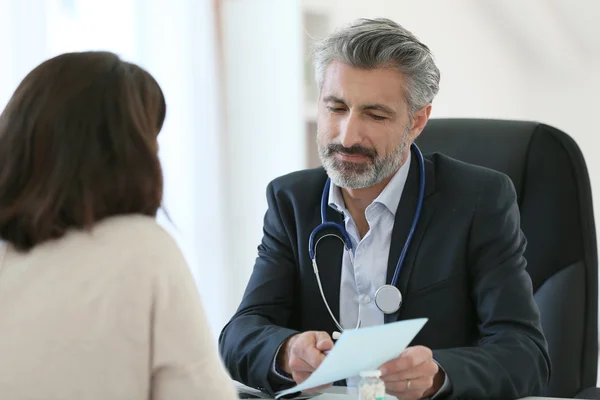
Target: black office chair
(555,201)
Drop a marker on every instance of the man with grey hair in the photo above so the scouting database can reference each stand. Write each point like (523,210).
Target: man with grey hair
(399,236)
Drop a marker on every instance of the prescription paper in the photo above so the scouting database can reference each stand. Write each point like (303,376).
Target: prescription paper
(361,350)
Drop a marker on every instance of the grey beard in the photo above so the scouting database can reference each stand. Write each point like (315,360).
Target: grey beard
(358,176)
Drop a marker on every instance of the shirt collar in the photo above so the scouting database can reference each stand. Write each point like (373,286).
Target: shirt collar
(389,196)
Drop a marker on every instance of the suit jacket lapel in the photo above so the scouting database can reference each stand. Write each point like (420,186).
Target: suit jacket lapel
(403,222)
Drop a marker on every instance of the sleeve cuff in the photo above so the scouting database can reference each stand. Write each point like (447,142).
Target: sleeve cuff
(284,377)
(446,387)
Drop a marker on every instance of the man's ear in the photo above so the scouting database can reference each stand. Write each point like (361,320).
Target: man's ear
(420,119)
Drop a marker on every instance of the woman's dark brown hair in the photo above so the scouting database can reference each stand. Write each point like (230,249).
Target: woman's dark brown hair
(77,145)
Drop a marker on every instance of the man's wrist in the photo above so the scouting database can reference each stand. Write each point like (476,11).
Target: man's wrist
(281,362)
(438,381)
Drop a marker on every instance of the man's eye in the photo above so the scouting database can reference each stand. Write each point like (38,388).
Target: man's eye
(378,117)
(335,109)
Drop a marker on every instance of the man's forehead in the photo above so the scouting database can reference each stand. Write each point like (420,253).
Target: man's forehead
(363,86)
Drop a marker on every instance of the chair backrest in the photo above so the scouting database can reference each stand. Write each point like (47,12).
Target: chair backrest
(555,202)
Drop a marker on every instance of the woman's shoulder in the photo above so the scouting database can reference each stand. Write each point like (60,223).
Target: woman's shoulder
(138,236)
(131,251)
(143,226)
(133,230)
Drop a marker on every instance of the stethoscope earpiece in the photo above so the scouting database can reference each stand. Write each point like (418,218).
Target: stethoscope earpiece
(336,335)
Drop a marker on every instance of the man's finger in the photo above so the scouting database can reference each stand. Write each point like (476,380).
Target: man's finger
(397,365)
(297,364)
(323,341)
(429,368)
(404,390)
(409,359)
(311,356)
(419,353)
(300,377)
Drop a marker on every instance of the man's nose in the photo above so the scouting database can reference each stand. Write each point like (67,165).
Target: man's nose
(351,131)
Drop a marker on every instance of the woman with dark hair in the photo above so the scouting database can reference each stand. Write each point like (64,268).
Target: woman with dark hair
(96,300)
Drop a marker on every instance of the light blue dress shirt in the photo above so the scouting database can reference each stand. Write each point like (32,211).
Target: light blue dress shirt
(360,281)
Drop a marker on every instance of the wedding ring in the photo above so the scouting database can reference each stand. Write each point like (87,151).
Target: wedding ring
(407,384)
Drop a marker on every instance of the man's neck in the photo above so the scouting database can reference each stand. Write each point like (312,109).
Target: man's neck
(357,200)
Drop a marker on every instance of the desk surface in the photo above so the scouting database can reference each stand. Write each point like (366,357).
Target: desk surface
(345,393)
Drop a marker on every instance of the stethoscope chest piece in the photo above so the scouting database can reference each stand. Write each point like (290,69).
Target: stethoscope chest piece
(388,299)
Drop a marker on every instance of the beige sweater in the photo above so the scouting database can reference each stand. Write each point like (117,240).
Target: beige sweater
(109,315)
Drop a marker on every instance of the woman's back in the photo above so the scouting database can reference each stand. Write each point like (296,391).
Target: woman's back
(96,300)
(110,314)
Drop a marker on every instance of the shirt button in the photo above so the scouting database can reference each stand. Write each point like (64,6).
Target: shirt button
(366,299)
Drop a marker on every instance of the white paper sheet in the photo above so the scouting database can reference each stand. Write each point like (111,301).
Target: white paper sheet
(361,350)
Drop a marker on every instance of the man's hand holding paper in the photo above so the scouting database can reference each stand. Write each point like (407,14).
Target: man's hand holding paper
(301,354)
(413,374)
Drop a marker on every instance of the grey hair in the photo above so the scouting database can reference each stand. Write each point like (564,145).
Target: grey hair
(380,42)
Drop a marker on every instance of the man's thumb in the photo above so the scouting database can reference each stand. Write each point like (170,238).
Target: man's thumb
(323,341)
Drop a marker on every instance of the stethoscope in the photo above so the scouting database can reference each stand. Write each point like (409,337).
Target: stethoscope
(388,297)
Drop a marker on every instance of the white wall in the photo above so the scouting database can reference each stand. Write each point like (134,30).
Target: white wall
(21,43)
(176,42)
(264,121)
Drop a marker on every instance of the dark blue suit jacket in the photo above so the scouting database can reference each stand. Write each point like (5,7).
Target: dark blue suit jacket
(464,271)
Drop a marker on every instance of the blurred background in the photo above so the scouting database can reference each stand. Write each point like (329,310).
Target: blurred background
(241,96)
